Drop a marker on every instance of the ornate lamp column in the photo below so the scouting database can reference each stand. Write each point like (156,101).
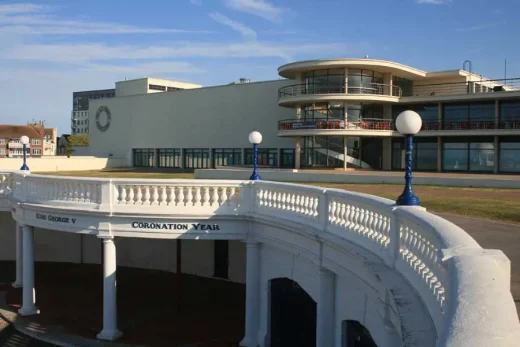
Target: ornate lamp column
(408,123)
(255,138)
(25,141)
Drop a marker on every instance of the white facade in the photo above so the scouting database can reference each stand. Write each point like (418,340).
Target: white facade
(150,85)
(409,277)
(215,117)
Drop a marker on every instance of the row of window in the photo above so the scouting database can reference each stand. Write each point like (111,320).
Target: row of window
(19,151)
(163,88)
(464,112)
(33,141)
(460,154)
(199,158)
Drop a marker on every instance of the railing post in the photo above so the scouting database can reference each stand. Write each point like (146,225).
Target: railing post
(323,210)
(105,197)
(395,238)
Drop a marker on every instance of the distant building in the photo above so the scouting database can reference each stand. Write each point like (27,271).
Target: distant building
(80,100)
(42,141)
(80,113)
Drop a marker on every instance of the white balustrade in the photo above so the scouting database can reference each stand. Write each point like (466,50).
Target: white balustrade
(408,239)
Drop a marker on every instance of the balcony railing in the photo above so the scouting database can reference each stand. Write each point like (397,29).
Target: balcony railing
(473,87)
(317,89)
(388,124)
(365,124)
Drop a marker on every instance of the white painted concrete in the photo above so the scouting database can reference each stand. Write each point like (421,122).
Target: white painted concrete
(110,331)
(410,277)
(62,163)
(28,295)
(252,294)
(18,283)
(279,175)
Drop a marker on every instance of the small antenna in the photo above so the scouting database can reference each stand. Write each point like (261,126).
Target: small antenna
(505,71)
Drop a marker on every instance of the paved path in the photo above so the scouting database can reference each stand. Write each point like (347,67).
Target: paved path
(495,235)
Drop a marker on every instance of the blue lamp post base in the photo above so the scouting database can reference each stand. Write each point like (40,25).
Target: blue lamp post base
(255,176)
(408,198)
(24,166)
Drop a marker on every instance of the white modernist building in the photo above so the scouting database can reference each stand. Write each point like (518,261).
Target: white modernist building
(324,113)
(322,267)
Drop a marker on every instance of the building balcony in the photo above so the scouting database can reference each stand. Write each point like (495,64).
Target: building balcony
(299,93)
(386,127)
(17,145)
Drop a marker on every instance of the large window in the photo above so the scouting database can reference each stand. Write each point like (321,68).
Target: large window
(357,112)
(510,114)
(469,116)
(364,81)
(429,114)
(144,157)
(473,154)
(287,158)
(169,157)
(266,156)
(325,81)
(509,155)
(405,85)
(325,151)
(323,111)
(424,154)
(196,158)
(227,156)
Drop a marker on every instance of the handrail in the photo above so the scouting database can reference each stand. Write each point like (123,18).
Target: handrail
(328,123)
(436,257)
(313,89)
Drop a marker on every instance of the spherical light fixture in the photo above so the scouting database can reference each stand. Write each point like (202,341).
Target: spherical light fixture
(408,123)
(255,138)
(24,140)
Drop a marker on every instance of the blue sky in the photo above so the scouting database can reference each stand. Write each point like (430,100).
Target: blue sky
(48,49)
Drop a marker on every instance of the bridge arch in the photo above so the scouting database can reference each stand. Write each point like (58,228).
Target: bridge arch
(402,259)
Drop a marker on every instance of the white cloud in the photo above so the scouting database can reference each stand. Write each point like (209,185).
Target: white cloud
(434,2)
(196,2)
(245,31)
(257,7)
(21,8)
(147,69)
(480,27)
(29,19)
(79,54)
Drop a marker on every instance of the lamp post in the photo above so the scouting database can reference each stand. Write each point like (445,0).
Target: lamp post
(25,141)
(408,123)
(255,138)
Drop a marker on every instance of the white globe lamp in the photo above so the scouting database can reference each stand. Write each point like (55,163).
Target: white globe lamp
(255,138)
(25,141)
(408,123)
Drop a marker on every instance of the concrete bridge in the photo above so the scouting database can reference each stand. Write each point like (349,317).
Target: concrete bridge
(358,264)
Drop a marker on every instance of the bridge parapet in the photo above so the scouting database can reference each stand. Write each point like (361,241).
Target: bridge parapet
(464,287)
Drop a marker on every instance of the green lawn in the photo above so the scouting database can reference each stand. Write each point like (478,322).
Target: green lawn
(496,204)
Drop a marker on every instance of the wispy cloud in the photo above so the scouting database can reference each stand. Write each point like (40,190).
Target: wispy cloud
(21,8)
(259,8)
(433,2)
(30,19)
(196,2)
(480,27)
(281,32)
(146,69)
(81,54)
(245,31)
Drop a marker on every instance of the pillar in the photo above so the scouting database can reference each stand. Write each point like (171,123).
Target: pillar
(346,83)
(345,153)
(28,298)
(18,283)
(325,325)
(497,114)
(252,295)
(496,157)
(439,154)
(109,331)
(297,153)
(156,163)
(387,153)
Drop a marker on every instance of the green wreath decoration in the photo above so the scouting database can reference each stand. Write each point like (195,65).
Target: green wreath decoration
(109,118)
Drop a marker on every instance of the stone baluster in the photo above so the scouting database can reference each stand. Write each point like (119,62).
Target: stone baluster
(214,197)
(206,198)
(146,195)
(131,195)
(138,195)
(164,196)
(123,194)
(189,196)
(180,196)
(155,195)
